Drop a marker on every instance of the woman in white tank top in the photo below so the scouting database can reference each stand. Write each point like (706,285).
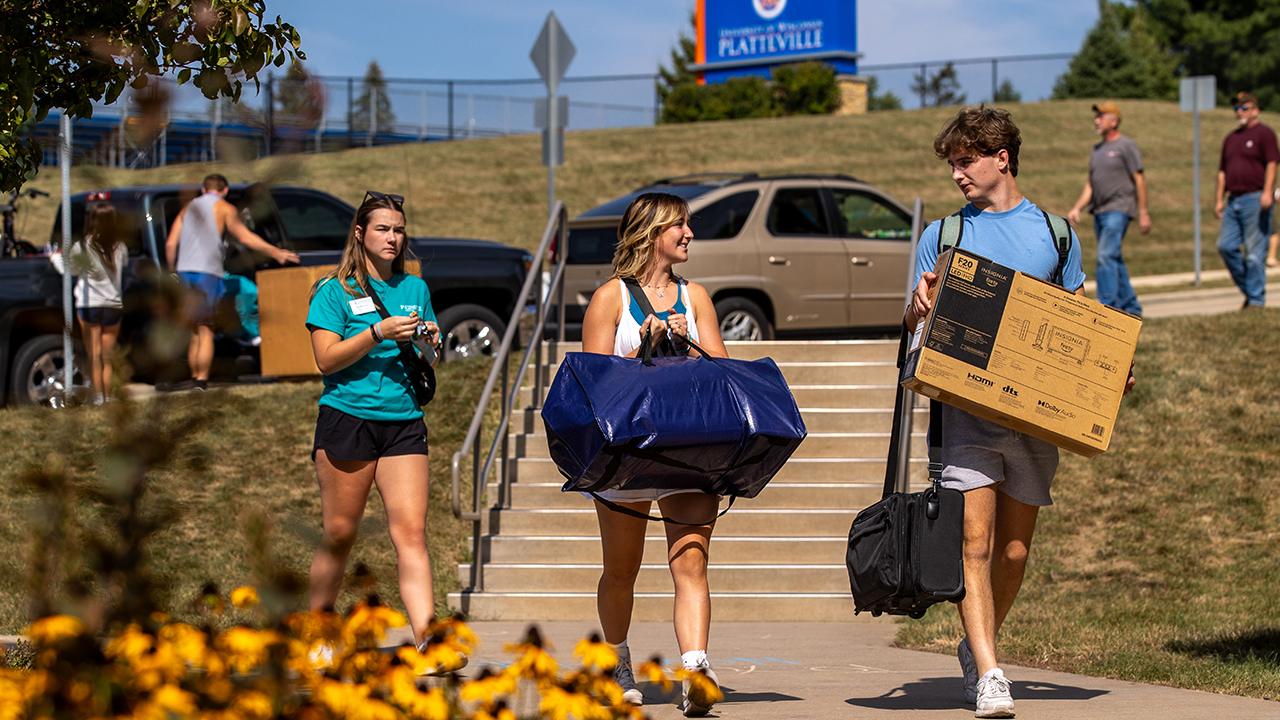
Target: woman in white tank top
(654,236)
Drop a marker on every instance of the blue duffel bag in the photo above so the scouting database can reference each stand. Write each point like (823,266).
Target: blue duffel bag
(717,425)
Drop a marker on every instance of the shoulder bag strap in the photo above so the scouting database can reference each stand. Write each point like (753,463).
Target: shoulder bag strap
(661,518)
(408,357)
(950,232)
(1060,231)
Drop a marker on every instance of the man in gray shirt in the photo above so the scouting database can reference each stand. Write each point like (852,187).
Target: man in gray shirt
(1116,193)
(194,251)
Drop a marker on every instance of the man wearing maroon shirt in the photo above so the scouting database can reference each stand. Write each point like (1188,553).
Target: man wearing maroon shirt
(1247,172)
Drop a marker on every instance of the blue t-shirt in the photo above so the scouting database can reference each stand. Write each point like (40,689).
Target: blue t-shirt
(375,387)
(1017,238)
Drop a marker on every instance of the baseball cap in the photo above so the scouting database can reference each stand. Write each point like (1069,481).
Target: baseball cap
(1244,97)
(1107,107)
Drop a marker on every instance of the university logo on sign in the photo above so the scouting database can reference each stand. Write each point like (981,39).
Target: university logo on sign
(769,9)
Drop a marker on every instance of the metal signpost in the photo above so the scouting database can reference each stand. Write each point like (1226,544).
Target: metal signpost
(552,54)
(1195,94)
(68,351)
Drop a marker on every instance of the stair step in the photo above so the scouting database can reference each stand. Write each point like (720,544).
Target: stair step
(817,396)
(775,495)
(787,350)
(824,470)
(656,607)
(817,420)
(656,578)
(750,521)
(585,549)
(816,445)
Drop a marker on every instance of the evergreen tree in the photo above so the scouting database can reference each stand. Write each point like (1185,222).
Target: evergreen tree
(877,101)
(1120,58)
(806,88)
(678,89)
(939,89)
(299,99)
(1006,93)
(373,94)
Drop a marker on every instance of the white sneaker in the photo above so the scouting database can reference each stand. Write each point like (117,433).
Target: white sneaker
(994,700)
(626,679)
(696,703)
(970,668)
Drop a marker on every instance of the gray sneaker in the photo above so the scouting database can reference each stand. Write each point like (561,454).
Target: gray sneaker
(994,700)
(696,703)
(970,668)
(626,680)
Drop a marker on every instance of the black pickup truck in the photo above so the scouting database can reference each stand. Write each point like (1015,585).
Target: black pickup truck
(474,285)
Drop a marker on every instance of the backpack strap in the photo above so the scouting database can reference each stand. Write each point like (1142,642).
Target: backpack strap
(1060,231)
(950,232)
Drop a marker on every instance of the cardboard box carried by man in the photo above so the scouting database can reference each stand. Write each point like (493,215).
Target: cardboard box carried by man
(1022,353)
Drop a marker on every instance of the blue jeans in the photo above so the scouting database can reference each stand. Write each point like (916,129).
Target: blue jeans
(1245,224)
(1114,288)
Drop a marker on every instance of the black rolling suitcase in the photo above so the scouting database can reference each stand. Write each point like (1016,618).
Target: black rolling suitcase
(904,552)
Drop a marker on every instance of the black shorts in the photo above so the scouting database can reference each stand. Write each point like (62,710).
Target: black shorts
(346,437)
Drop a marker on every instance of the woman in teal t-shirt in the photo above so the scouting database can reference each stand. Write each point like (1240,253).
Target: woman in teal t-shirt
(370,429)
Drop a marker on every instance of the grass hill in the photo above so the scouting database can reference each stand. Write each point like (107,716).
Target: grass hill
(496,188)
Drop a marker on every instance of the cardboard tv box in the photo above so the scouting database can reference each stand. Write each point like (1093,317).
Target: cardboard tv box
(1022,353)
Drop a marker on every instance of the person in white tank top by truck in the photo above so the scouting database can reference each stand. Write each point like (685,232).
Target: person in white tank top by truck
(194,251)
(654,236)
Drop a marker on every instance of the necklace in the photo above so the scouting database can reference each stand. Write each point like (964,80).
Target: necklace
(661,291)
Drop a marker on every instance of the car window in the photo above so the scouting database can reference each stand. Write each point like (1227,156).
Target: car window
(723,219)
(797,211)
(128,224)
(592,246)
(313,222)
(619,205)
(864,216)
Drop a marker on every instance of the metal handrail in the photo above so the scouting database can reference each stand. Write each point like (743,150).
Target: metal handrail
(555,229)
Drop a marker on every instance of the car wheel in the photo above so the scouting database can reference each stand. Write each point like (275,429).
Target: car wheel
(470,331)
(741,319)
(38,378)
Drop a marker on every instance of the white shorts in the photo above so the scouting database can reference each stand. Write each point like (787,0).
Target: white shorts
(977,453)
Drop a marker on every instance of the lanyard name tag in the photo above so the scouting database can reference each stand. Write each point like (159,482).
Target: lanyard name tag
(361,306)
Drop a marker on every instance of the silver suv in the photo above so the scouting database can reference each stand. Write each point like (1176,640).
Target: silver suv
(800,255)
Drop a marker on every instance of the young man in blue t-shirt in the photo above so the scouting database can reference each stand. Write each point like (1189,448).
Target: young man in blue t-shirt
(1005,475)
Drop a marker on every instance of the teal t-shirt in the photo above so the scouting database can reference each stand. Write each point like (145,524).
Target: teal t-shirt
(375,387)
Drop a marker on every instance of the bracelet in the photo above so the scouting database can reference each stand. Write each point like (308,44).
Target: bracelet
(377,336)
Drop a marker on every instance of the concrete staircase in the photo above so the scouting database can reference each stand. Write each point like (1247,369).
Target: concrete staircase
(776,557)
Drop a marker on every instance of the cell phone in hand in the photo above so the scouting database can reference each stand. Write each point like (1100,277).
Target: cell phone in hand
(422,343)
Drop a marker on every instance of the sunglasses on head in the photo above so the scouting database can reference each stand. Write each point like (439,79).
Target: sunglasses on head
(397,199)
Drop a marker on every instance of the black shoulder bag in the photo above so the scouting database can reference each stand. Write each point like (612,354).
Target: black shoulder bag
(422,377)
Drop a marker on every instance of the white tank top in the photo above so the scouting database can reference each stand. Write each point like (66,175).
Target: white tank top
(627,337)
(200,244)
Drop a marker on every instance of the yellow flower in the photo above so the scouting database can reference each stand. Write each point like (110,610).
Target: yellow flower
(130,644)
(454,626)
(652,669)
(253,705)
(367,624)
(699,680)
(596,653)
(189,643)
(174,699)
(560,704)
(488,686)
(429,705)
(244,597)
(500,712)
(159,667)
(246,648)
(53,628)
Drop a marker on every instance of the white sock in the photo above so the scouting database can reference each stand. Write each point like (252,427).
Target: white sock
(695,659)
(988,674)
(621,648)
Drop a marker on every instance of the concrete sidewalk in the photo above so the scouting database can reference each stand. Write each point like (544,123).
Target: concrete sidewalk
(850,670)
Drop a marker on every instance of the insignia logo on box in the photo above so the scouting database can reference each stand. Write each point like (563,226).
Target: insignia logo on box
(769,9)
(965,267)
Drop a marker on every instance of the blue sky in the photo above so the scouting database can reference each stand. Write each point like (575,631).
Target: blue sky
(492,38)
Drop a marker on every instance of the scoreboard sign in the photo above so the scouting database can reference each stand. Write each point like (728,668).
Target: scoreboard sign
(750,37)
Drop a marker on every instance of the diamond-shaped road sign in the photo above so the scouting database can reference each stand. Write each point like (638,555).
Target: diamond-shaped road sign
(552,53)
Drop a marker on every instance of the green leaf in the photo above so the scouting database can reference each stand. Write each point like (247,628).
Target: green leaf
(184,76)
(241,22)
(279,60)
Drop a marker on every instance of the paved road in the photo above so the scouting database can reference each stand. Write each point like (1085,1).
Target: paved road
(850,670)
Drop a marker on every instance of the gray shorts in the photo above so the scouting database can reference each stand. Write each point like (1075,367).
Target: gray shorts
(977,453)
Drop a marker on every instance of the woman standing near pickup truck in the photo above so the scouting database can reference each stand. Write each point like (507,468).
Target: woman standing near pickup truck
(99,262)
(654,236)
(370,429)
